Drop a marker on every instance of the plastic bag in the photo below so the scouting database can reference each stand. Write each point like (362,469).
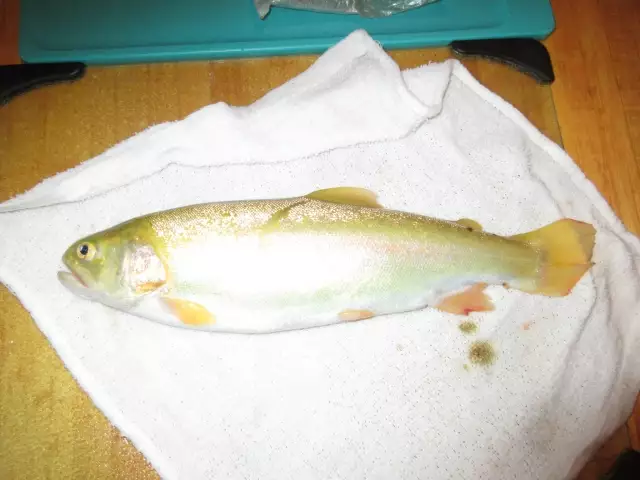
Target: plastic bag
(364,8)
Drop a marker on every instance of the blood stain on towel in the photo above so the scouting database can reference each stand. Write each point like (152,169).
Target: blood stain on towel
(526,325)
(468,327)
(482,353)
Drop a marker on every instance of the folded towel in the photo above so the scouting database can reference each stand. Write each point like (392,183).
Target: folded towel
(527,395)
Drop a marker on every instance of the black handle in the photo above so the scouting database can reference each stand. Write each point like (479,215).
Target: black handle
(19,79)
(524,54)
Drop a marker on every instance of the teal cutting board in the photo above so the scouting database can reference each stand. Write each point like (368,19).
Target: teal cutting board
(137,31)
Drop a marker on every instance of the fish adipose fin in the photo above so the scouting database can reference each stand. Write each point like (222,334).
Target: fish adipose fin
(469,224)
(472,299)
(568,246)
(347,195)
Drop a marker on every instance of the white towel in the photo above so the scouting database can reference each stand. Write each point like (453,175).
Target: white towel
(394,397)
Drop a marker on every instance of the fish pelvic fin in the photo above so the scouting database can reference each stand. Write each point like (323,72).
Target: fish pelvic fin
(567,246)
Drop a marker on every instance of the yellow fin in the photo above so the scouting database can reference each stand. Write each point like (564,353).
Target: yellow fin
(568,246)
(355,315)
(189,313)
(557,280)
(148,287)
(347,195)
(472,299)
(472,224)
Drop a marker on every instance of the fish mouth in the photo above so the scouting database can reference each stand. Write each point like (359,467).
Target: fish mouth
(70,277)
(71,280)
(73,283)
(76,277)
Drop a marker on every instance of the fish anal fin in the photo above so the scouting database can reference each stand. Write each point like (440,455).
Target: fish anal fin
(469,224)
(473,299)
(347,195)
(188,312)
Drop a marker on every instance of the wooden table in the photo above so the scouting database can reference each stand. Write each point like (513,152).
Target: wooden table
(49,428)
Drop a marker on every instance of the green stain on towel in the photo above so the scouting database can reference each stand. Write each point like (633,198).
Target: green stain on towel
(468,327)
(482,353)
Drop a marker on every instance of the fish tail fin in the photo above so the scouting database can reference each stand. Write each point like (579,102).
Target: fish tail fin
(567,246)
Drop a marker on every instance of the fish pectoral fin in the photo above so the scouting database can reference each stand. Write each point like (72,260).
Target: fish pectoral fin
(347,195)
(472,299)
(188,312)
(148,287)
(469,224)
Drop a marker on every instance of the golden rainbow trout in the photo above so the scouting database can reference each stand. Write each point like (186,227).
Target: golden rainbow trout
(331,256)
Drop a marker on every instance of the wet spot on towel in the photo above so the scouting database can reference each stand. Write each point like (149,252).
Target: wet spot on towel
(468,327)
(482,353)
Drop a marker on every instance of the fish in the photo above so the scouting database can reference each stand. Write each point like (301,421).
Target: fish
(327,257)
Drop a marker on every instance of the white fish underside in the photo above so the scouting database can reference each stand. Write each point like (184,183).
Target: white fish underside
(291,281)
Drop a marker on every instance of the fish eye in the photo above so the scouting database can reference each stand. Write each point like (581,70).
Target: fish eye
(86,251)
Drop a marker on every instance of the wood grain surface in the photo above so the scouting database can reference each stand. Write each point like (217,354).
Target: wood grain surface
(9,13)
(49,428)
(596,55)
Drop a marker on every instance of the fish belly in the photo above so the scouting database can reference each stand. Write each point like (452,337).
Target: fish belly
(292,280)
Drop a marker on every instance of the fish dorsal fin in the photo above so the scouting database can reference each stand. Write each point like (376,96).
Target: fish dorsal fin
(468,223)
(347,195)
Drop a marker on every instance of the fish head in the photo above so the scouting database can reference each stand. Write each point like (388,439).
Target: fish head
(116,267)
(95,266)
